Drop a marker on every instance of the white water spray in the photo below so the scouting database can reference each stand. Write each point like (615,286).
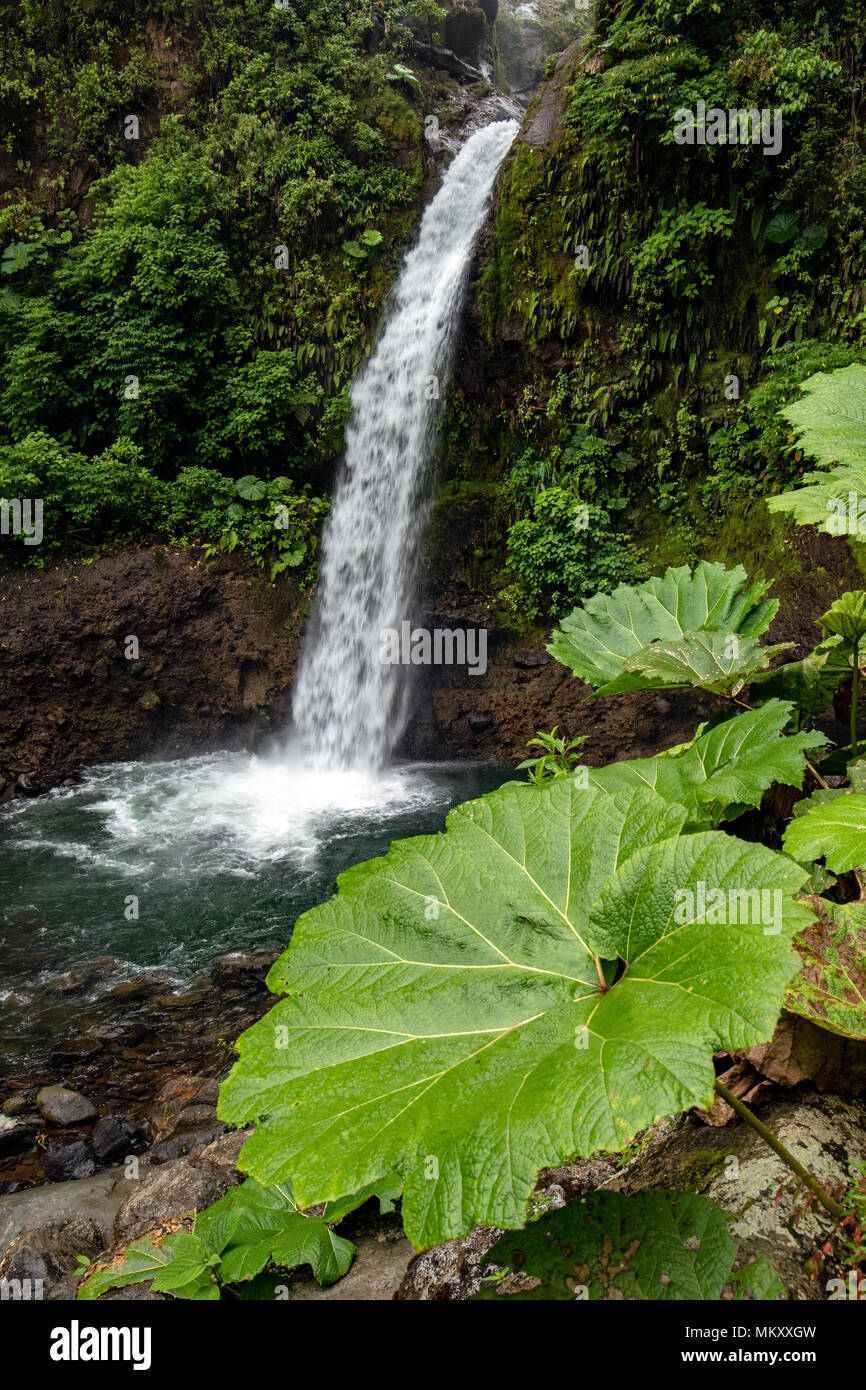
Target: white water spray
(349,707)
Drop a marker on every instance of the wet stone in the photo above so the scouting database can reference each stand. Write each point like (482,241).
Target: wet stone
(73,1161)
(60,1106)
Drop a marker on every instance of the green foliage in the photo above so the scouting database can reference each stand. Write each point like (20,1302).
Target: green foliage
(754,447)
(726,768)
(846,618)
(209,266)
(558,758)
(685,283)
(830,422)
(809,684)
(250,1229)
(661,1246)
(481,976)
(84,498)
(606,641)
(836,832)
(87,499)
(566,550)
(830,990)
(715,661)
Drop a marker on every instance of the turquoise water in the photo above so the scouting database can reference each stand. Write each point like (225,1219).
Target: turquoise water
(164,866)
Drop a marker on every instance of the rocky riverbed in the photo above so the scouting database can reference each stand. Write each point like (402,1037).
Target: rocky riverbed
(44,1229)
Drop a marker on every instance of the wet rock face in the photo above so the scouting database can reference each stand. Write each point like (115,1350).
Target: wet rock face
(213,665)
(826,1133)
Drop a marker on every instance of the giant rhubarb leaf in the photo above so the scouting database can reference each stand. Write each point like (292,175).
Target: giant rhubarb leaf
(836,832)
(597,640)
(829,417)
(656,1245)
(725,769)
(715,661)
(831,988)
(829,420)
(452,1016)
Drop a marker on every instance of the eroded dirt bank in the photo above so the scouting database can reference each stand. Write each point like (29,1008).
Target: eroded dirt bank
(217,651)
(210,664)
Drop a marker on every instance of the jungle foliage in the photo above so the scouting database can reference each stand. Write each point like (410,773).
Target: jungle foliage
(198,296)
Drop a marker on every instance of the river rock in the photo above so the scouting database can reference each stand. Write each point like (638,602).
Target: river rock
(72,1161)
(166,1192)
(189,1142)
(75,1051)
(826,1133)
(111,1139)
(19,1135)
(60,1106)
(480,720)
(18,1104)
(242,967)
(182,1102)
(49,1254)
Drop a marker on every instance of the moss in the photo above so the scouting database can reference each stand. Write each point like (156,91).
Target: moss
(701,1167)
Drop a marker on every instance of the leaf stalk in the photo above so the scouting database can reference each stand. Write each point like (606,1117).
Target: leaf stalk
(828,1202)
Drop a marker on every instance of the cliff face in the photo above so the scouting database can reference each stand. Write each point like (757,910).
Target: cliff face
(627,278)
(145,651)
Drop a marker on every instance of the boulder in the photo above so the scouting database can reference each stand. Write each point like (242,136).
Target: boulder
(20,1135)
(166,1192)
(111,1139)
(72,1161)
(60,1106)
(47,1257)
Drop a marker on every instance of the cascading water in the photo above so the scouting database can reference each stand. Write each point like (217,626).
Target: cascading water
(228,849)
(349,706)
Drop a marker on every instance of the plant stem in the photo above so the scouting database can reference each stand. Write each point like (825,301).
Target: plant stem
(778,1147)
(816,774)
(814,771)
(855,683)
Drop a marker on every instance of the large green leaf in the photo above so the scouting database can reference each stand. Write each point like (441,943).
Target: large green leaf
(846,618)
(715,661)
(811,683)
(832,499)
(142,1259)
(725,769)
(830,990)
(656,1245)
(234,1240)
(252,1225)
(836,831)
(595,641)
(450,1018)
(829,420)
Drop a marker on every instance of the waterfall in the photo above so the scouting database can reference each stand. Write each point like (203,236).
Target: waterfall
(349,706)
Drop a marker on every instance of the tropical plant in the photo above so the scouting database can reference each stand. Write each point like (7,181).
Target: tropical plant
(482,975)
(829,421)
(227,1248)
(558,758)
(656,1245)
(846,619)
(687,628)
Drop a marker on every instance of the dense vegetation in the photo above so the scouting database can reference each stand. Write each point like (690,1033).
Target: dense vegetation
(203,207)
(187,307)
(665,298)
